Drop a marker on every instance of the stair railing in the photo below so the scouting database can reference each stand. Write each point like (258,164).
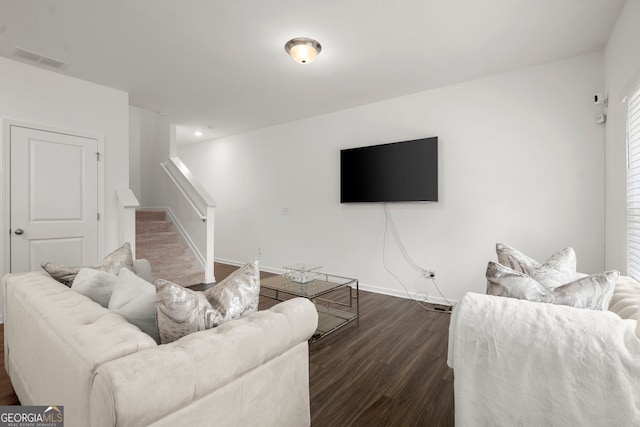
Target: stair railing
(192,211)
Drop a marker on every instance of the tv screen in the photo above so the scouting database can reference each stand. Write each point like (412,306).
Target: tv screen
(398,172)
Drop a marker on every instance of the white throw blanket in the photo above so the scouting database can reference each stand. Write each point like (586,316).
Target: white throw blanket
(519,363)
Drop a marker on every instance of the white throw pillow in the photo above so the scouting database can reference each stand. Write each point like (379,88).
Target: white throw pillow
(135,299)
(556,271)
(95,284)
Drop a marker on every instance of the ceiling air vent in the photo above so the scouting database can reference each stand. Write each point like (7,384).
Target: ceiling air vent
(36,57)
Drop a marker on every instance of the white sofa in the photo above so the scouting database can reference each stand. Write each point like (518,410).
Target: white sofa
(61,348)
(523,363)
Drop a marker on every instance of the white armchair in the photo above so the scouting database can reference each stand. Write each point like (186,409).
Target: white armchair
(525,363)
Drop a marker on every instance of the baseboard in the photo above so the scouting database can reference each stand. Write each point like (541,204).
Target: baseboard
(438,303)
(417,296)
(240,264)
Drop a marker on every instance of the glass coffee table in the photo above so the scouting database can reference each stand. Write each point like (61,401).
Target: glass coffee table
(336,310)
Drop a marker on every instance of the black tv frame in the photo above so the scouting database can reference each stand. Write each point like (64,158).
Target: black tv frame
(404,171)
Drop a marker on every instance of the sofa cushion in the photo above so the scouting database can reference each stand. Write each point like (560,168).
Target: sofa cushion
(557,270)
(112,263)
(95,284)
(592,292)
(181,311)
(135,299)
(625,301)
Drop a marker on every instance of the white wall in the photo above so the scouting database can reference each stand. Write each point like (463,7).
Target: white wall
(135,137)
(42,97)
(622,69)
(521,162)
(152,137)
(150,134)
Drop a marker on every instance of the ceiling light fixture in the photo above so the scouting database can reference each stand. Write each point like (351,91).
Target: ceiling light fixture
(197,133)
(303,50)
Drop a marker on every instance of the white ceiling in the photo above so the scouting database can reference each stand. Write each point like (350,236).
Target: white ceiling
(222,64)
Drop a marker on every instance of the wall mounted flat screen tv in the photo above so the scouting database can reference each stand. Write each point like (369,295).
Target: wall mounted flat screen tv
(404,171)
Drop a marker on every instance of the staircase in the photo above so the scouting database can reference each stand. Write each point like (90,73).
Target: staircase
(164,248)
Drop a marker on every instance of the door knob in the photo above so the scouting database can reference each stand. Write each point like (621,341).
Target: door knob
(19,231)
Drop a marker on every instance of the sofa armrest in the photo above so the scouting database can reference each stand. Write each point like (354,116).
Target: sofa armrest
(518,362)
(143,388)
(55,338)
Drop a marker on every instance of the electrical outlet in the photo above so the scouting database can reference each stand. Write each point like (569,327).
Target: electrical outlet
(429,273)
(260,250)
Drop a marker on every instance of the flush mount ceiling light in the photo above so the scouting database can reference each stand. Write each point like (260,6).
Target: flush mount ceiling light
(303,50)
(197,133)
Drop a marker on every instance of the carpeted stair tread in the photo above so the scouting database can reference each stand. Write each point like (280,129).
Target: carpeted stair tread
(169,256)
(147,227)
(184,262)
(161,246)
(164,250)
(158,238)
(150,215)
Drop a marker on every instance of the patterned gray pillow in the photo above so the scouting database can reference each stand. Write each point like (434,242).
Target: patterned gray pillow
(238,294)
(112,264)
(559,269)
(592,292)
(181,311)
(515,260)
(506,282)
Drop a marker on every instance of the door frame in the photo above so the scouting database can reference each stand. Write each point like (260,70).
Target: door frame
(5,188)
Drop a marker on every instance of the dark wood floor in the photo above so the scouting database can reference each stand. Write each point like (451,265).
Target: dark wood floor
(389,369)
(7,395)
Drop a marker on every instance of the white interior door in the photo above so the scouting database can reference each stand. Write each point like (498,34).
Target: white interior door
(54,199)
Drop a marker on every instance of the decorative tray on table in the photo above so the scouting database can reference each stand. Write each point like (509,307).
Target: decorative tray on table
(302,273)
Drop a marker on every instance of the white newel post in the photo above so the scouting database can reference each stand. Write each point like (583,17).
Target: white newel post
(209,271)
(127,204)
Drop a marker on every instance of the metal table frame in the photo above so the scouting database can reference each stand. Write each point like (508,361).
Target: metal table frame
(330,318)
